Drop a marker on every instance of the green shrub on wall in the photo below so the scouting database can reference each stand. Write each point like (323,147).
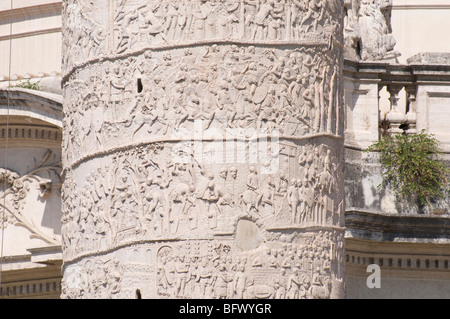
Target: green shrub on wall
(28,85)
(412,164)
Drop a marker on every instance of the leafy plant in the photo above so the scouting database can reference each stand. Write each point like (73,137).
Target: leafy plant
(28,85)
(412,164)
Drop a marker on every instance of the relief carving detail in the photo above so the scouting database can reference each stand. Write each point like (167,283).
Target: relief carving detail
(209,135)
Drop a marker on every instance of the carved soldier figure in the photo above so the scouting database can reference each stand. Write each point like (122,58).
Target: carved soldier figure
(164,281)
(280,283)
(283,183)
(171,21)
(182,269)
(302,200)
(204,278)
(293,284)
(156,198)
(250,196)
(293,200)
(240,282)
(266,197)
(128,35)
(210,198)
(155,26)
(220,281)
(117,88)
(297,9)
(114,277)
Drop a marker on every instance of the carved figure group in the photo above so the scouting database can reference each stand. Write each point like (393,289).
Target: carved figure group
(145,192)
(96,279)
(133,26)
(293,92)
(296,271)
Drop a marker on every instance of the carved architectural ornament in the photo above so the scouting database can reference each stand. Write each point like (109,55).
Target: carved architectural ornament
(367,30)
(15,190)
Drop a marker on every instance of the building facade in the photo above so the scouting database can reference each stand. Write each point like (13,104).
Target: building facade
(395,76)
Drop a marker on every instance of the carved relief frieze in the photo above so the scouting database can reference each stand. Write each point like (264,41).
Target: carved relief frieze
(162,95)
(17,192)
(298,268)
(117,27)
(210,133)
(147,193)
(97,278)
(299,265)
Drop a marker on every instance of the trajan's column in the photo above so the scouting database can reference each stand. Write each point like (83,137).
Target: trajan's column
(203,149)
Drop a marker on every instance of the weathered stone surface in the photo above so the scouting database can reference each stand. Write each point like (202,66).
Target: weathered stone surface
(367,30)
(203,149)
(427,58)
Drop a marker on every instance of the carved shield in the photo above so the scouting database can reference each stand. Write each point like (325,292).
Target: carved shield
(260,94)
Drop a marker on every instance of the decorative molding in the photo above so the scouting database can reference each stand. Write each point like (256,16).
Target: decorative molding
(397,261)
(30,34)
(421,7)
(35,104)
(30,133)
(28,12)
(380,227)
(38,288)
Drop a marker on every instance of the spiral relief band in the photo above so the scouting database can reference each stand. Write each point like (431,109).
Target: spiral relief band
(203,149)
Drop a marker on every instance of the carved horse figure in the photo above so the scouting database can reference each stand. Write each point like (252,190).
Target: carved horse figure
(320,289)
(249,198)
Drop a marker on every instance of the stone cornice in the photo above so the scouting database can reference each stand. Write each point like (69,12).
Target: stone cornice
(398,74)
(380,227)
(26,12)
(30,33)
(30,136)
(41,105)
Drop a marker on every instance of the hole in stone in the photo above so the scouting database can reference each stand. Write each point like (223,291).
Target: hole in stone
(138,294)
(358,48)
(140,87)
(404,127)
